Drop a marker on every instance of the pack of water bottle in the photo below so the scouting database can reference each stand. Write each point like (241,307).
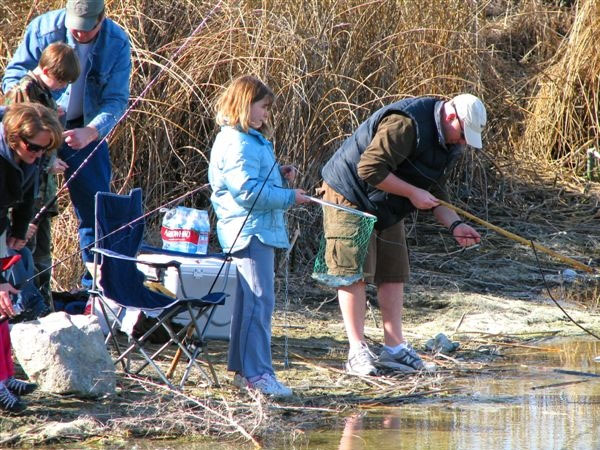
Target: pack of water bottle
(185,230)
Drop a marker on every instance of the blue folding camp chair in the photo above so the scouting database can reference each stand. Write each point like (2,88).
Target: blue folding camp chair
(119,233)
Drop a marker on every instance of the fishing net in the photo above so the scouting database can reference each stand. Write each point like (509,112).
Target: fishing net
(344,245)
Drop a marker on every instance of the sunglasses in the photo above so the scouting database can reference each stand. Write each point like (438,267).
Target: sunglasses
(35,148)
(462,130)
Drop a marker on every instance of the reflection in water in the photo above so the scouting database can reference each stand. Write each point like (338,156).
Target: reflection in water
(503,412)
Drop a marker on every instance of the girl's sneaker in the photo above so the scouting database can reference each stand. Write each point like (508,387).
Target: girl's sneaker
(10,402)
(266,384)
(18,387)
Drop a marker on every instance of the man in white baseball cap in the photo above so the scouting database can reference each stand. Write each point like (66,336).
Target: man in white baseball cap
(471,112)
(395,163)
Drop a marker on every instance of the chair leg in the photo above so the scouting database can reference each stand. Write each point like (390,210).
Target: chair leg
(111,329)
(150,361)
(199,348)
(191,359)
(194,325)
(137,344)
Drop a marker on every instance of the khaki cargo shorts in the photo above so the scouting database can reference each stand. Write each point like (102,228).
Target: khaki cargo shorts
(387,255)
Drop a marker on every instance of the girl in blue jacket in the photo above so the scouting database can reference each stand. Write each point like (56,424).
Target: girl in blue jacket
(249,198)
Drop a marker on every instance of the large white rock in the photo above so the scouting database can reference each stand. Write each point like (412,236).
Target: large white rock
(65,354)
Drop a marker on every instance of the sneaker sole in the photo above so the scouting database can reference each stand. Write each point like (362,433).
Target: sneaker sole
(372,373)
(398,367)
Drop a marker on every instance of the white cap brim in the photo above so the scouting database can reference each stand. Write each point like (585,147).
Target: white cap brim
(473,138)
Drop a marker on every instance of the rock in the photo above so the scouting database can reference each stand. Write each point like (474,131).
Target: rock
(569,275)
(79,428)
(65,355)
(441,344)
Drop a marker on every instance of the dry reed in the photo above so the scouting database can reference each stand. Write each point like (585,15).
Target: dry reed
(331,63)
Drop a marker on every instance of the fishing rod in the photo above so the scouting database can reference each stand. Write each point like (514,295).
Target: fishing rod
(341,207)
(190,331)
(171,62)
(528,242)
(129,224)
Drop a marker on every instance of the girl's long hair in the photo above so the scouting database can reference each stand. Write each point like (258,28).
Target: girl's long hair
(233,105)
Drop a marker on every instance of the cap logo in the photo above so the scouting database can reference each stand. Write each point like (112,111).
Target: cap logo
(80,8)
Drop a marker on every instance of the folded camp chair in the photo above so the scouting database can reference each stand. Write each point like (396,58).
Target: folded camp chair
(119,233)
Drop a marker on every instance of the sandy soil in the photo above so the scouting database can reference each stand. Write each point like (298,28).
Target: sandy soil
(309,349)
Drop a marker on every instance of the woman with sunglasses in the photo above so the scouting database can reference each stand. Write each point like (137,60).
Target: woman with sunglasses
(27,131)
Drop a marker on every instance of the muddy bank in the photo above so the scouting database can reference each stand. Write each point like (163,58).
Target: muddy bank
(309,348)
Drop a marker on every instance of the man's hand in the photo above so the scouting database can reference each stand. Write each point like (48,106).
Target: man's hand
(31,230)
(59,166)
(466,235)
(15,243)
(422,199)
(6,308)
(78,138)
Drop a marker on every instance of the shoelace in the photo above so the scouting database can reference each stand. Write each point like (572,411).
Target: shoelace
(16,386)
(272,383)
(7,398)
(269,381)
(363,356)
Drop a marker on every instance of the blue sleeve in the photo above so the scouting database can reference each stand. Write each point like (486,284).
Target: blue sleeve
(242,174)
(115,92)
(26,58)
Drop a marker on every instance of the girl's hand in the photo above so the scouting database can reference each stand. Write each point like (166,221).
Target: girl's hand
(15,243)
(289,173)
(78,138)
(300,196)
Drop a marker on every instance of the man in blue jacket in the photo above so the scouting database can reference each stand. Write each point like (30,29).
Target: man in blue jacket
(393,164)
(93,104)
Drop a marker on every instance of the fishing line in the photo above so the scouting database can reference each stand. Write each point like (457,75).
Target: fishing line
(127,225)
(554,300)
(171,63)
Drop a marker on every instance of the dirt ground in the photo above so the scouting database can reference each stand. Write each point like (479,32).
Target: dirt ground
(309,350)
(492,299)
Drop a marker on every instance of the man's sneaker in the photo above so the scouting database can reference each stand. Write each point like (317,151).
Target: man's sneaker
(404,360)
(18,387)
(10,402)
(361,361)
(267,384)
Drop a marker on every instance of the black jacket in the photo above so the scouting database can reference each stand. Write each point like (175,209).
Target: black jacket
(425,166)
(18,183)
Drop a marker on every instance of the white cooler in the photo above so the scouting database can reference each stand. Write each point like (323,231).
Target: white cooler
(198,274)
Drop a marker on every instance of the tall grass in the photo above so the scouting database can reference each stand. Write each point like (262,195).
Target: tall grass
(564,120)
(331,63)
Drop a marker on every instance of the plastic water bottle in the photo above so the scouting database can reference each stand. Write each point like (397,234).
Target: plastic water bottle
(18,309)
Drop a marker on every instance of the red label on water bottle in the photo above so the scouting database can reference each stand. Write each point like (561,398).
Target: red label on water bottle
(179,235)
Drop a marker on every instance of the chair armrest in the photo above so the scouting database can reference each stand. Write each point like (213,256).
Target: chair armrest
(215,298)
(111,254)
